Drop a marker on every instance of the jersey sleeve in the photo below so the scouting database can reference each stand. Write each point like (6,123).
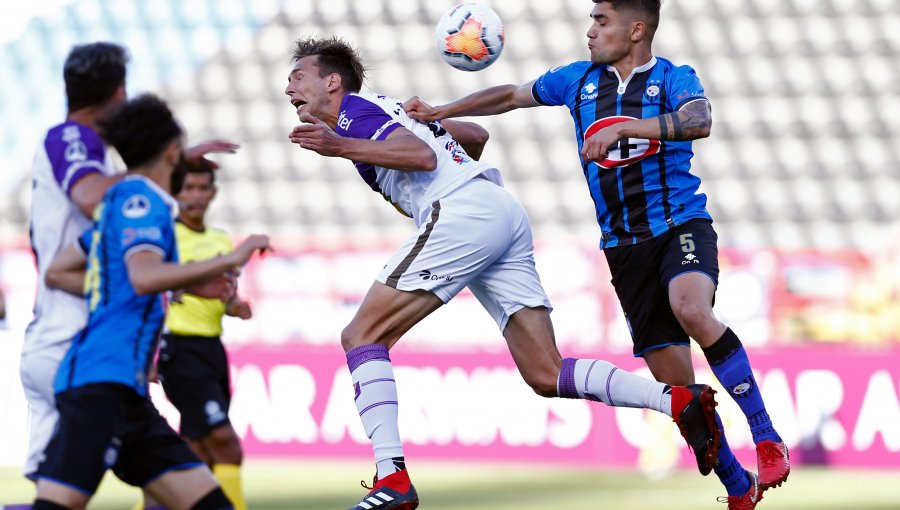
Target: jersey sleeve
(684,87)
(361,118)
(83,243)
(550,88)
(143,223)
(74,152)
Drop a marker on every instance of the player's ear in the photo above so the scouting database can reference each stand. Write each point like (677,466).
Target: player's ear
(638,31)
(334,82)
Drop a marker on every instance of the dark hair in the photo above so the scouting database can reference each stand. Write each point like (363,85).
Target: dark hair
(93,72)
(335,56)
(200,169)
(648,8)
(140,129)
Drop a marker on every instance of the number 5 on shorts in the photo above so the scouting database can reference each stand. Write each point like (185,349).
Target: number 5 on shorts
(687,244)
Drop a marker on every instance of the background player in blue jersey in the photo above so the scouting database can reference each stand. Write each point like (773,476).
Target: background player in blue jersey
(72,170)
(471,233)
(107,420)
(635,115)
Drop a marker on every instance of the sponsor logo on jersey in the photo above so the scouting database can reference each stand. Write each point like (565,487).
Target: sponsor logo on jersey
(344,121)
(137,206)
(589,92)
(626,151)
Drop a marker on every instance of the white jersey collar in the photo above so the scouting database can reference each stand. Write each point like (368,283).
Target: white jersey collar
(639,69)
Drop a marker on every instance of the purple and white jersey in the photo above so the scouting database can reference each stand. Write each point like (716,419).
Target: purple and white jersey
(70,151)
(374,117)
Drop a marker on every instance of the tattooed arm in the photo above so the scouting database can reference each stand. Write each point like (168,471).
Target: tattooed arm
(690,123)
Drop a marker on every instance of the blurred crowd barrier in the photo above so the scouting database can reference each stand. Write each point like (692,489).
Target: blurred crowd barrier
(822,330)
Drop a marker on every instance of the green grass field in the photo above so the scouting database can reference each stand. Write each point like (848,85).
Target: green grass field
(331,486)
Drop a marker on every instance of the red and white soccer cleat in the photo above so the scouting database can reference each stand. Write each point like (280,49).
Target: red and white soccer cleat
(774,463)
(750,499)
(694,411)
(393,492)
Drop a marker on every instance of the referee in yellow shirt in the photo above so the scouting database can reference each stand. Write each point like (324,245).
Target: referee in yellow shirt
(193,365)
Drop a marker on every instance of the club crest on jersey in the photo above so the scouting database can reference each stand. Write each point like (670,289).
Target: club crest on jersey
(651,93)
(137,206)
(626,151)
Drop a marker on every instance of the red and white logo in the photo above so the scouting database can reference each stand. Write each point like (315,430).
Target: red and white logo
(627,150)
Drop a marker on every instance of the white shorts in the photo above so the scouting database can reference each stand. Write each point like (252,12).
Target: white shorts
(479,236)
(38,370)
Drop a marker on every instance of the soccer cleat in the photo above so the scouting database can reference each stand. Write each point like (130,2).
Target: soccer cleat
(774,463)
(694,411)
(749,500)
(393,492)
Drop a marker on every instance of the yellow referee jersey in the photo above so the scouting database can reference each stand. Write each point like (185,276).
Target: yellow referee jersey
(198,316)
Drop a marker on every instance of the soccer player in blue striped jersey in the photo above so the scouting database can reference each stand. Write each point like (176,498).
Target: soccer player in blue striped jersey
(106,419)
(635,117)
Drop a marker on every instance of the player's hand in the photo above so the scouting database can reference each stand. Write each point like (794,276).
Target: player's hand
(315,135)
(419,110)
(243,252)
(596,147)
(196,155)
(221,287)
(239,308)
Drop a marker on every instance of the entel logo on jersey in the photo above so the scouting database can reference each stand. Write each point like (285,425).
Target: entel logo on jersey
(343,122)
(627,150)
(136,206)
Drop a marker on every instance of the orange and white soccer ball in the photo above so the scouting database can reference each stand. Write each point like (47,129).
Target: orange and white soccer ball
(470,37)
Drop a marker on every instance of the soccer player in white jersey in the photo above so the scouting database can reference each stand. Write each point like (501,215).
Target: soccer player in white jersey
(471,232)
(71,173)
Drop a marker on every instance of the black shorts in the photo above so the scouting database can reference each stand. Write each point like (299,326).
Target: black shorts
(109,426)
(194,374)
(641,274)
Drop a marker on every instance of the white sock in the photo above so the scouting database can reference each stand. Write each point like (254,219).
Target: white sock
(376,402)
(602,381)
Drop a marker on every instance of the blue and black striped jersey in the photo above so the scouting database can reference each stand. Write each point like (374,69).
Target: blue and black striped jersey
(644,187)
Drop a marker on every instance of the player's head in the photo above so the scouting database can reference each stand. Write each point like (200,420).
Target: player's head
(196,193)
(149,139)
(95,75)
(619,26)
(322,67)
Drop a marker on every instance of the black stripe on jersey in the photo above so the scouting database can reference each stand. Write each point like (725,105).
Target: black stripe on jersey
(661,159)
(605,106)
(407,261)
(633,175)
(579,131)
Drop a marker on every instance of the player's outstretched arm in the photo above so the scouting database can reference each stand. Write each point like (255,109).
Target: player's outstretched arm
(66,272)
(150,274)
(89,191)
(401,150)
(489,101)
(470,135)
(693,121)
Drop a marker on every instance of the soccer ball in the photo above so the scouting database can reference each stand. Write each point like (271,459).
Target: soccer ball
(469,37)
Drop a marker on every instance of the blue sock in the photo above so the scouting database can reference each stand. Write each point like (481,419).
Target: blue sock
(728,469)
(729,362)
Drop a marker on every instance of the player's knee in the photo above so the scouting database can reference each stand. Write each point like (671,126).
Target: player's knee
(350,338)
(215,500)
(542,384)
(224,446)
(692,315)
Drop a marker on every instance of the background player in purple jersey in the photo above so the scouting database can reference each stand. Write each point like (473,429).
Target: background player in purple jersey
(635,116)
(72,171)
(471,233)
